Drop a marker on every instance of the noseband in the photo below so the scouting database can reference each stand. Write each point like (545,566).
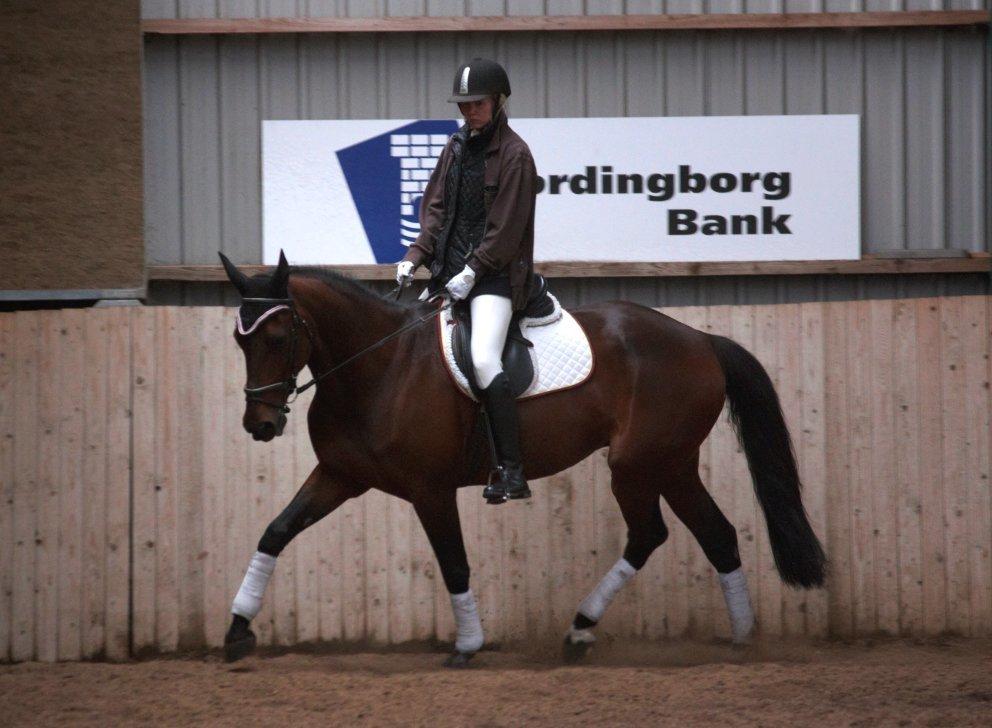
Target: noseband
(289,384)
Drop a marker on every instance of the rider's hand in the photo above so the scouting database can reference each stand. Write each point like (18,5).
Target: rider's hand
(461,284)
(404,273)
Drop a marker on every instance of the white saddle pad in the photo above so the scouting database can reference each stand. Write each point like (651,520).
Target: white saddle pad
(561,353)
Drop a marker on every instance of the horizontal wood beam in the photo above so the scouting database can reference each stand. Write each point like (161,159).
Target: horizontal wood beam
(542,23)
(869,265)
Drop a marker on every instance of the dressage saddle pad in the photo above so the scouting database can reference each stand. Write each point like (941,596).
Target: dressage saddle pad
(542,354)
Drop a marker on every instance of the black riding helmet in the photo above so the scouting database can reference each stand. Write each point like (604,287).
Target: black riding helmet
(478,79)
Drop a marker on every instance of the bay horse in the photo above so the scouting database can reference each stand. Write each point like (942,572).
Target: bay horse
(391,418)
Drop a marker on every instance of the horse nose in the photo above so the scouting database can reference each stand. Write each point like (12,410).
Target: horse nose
(263,431)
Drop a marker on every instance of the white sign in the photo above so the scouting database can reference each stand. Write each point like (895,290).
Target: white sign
(622,189)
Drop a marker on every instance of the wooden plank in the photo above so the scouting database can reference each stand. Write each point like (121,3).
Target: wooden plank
(117,562)
(956,505)
(94,481)
(883,469)
(789,385)
(909,506)
(584,572)
(868,265)
(561,572)
(931,459)
(48,445)
(976,338)
(215,338)
(377,566)
(838,542)
(7,420)
(188,349)
(860,451)
(308,597)
(399,607)
(25,484)
(424,572)
(767,591)
(241,539)
(167,416)
(353,573)
(144,496)
(487,570)
(812,438)
(568,23)
(538,548)
(515,536)
(73,366)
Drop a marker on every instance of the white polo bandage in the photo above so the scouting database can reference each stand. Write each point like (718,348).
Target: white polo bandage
(248,600)
(594,605)
(469,638)
(738,600)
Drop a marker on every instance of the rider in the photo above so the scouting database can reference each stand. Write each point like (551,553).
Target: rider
(477,237)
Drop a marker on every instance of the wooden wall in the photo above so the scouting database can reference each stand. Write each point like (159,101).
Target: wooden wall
(887,401)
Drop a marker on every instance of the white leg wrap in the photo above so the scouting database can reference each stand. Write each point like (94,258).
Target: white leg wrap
(248,600)
(738,601)
(469,638)
(594,605)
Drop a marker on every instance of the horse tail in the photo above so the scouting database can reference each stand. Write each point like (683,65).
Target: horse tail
(761,430)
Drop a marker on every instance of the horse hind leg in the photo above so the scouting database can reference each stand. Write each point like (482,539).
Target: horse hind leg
(693,505)
(646,531)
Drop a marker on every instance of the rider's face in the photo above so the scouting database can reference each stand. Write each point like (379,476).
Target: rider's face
(477,113)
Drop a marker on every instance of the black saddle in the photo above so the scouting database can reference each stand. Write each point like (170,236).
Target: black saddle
(517,363)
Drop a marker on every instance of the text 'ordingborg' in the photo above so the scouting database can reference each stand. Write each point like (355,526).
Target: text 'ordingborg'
(661,187)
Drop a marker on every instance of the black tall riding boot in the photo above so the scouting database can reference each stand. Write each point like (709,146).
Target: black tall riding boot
(501,411)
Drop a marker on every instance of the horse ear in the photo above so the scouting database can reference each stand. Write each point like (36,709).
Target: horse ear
(239,279)
(280,277)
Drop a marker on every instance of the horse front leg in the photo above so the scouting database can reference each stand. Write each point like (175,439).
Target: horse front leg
(317,497)
(438,513)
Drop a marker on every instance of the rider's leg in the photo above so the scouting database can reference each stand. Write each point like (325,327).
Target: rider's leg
(490,320)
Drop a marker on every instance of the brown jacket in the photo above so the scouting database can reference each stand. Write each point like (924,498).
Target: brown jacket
(510,194)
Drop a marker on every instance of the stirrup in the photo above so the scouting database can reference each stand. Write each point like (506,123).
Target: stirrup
(495,490)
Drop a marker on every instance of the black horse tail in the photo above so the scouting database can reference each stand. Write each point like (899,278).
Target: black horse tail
(757,417)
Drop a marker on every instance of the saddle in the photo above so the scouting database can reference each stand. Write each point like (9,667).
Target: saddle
(517,361)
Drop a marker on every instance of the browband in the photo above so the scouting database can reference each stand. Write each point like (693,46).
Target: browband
(245,332)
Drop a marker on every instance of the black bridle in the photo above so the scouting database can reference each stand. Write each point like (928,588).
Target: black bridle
(289,384)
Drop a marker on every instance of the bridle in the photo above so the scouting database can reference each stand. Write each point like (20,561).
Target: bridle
(289,383)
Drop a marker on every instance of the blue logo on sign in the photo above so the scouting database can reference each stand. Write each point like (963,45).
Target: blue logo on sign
(387,176)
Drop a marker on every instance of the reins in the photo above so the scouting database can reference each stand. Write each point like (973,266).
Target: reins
(290,383)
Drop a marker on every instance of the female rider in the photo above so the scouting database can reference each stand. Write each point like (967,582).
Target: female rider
(477,237)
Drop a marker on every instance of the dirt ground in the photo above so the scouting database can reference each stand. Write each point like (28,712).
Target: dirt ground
(865,683)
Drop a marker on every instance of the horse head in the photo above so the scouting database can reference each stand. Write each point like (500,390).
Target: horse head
(276,343)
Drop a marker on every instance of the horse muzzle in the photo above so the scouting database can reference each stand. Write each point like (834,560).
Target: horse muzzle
(266,430)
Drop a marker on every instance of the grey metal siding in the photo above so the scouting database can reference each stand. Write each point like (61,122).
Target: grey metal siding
(159,9)
(921,95)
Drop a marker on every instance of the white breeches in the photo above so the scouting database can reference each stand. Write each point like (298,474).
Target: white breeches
(490,320)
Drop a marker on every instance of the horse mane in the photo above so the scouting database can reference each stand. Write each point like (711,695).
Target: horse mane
(333,279)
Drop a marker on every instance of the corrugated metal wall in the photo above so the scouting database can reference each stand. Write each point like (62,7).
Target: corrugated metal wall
(400,8)
(921,94)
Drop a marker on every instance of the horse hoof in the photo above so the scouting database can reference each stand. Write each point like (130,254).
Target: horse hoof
(239,648)
(572,652)
(458,660)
